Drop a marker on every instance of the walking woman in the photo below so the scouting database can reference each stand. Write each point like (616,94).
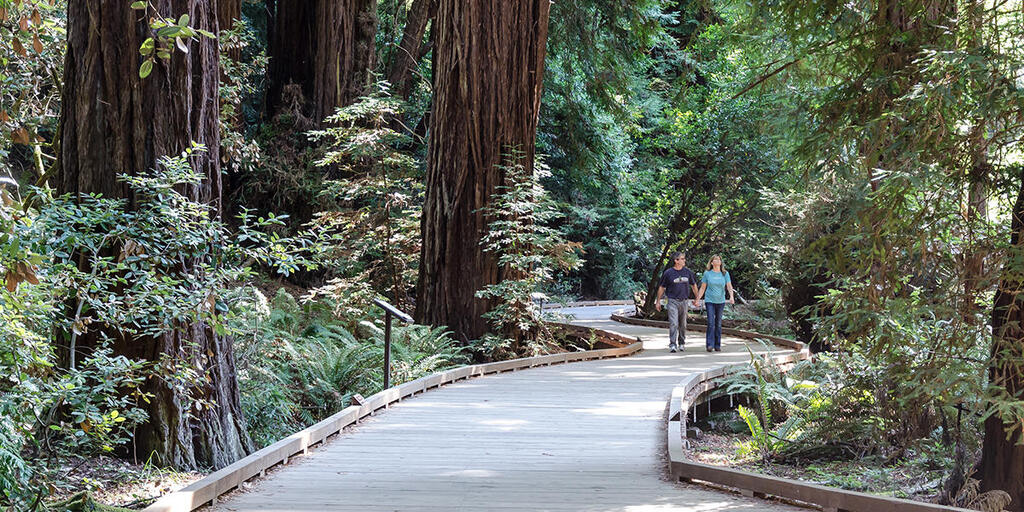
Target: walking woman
(715,282)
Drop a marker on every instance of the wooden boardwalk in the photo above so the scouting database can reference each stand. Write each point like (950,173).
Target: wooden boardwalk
(583,436)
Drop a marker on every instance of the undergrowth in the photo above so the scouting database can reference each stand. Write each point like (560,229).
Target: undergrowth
(298,363)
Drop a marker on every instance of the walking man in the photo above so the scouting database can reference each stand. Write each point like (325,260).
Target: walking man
(677,282)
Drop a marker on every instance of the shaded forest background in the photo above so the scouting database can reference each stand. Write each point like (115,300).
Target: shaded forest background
(201,199)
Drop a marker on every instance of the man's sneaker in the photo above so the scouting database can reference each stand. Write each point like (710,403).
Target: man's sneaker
(672,349)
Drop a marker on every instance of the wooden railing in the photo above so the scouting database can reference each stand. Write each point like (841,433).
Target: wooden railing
(586,303)
(216,484)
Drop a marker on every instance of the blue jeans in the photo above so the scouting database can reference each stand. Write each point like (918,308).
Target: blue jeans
(714,332)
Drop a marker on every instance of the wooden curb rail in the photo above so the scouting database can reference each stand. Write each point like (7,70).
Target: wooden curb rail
(255,465)
(585,303)
(689,392)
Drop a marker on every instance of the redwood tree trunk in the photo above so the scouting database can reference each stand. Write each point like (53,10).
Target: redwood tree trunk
(407,57)
(114,122)
(228,11)
(324,46)
(1002,455)
(488,67)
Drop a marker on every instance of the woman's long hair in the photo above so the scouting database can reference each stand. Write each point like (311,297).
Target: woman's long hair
(719,259)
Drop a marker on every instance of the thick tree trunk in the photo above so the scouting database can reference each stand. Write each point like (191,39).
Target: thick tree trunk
(1002,454)
(488,67)
(324,46)
(114,122)
(408,55)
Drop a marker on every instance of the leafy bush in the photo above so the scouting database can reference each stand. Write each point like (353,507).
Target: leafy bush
(91,266)
(529,250)
(376,204)
(841,406)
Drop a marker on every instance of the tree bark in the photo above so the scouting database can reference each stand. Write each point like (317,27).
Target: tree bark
(488,68)
(327,47)
(652,284)
(114,122)
(1002,454)
(408,55)
(229,11)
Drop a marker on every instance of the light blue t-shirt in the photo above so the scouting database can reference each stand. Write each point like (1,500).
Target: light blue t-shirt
(715,292)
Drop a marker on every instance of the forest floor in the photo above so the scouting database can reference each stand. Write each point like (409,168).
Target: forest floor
(918,476)
(116,482)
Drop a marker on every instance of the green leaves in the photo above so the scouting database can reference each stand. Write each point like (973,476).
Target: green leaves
(147,46)
(146,68)
(167,34)
(530,249)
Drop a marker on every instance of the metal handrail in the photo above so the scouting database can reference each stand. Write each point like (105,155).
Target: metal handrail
(389,311)
(393,310)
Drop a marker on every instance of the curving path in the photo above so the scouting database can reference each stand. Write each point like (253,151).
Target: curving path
(585,436)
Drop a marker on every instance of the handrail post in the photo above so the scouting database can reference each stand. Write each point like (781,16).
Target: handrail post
(389,311)
(387,349)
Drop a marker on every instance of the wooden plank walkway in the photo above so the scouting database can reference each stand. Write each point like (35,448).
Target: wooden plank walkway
(583,436)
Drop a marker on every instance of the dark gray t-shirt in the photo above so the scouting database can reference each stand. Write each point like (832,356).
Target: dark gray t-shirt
(677,282)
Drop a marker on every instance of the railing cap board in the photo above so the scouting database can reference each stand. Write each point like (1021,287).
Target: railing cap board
(802,491)
(412,387)
(576,304)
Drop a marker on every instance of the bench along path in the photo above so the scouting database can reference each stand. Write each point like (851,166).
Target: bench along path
(585,436)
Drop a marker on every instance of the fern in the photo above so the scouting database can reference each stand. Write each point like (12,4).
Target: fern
(299,363)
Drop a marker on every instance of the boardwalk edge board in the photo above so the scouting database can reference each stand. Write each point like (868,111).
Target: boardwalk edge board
(211,487)
(690,392)
(586,303)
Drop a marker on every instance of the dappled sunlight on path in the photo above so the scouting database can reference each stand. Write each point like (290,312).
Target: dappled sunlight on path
(578,437)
